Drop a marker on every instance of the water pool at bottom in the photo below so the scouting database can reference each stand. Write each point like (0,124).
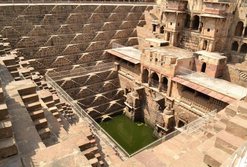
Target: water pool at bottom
(130,135)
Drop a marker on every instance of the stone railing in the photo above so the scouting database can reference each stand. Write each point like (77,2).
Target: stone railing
(238,158)
(189,129)
(74,1)
(95,127)
(106,138)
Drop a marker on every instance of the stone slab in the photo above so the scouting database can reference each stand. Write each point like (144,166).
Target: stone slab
(8,147)
(228,142)
(238,127)
(5,129)
(215,157)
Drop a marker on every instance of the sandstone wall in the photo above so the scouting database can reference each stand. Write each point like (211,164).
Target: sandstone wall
(54,36)
(236,74)
(189,41)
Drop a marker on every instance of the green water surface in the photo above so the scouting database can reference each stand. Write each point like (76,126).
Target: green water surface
(130,135)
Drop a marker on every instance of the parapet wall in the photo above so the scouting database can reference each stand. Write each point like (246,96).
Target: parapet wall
(54,36)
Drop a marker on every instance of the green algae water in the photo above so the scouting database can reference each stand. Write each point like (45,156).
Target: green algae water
(130,135)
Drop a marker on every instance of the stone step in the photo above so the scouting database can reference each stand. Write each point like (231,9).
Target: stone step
(40,123)
(56,114)
(231,110)
(98,156)
(60,110)
(7,147)
(1,95)
(215,157)
(44,133)
(5,129)
(101,163)
(36,78)
(9,60)
(50,104)
(29,90)
(89,153)
(15,73)
(207,145)
(38,114)
(33,106)
(94,162)
(52,109)
(58,105)
(45,95)
(228,142)
(56,99)
(43,83)
(13,67)
(17,78)
(38,83)
(224,118)
(59,120)
(242,109)
(30,98)
(82,142)
(68,111)
(4,114)
(237,126)
(218,126)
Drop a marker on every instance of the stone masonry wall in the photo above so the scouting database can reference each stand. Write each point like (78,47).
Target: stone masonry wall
(54,36)
(189,41)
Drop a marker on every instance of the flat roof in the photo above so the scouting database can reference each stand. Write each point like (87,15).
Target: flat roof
(217,85)
(213,15)
(175,10)
(127,53)
(172,51)
(213,55)
(156,40)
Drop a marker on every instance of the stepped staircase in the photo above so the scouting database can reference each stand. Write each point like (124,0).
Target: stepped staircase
(31,100)
(7,140)
(233,134)
(98,93)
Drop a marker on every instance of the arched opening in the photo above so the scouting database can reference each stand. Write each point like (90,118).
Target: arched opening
(205,44)
(187,21)
(239,28)
(154,27)
(162,29)
(245,32)
(180,124)
(196,21)
(164,84)
(155,80)
(168,36)
(243,48)
(235,46)
(203,69)
(145,76)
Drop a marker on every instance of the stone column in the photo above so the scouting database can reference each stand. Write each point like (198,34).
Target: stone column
(211,46)
(191,23)
(149,78)
(239,47)
(160,83)
(172,36)
(116,66)
(243,31)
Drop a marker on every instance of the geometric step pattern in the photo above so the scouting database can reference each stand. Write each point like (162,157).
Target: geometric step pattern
(62,35)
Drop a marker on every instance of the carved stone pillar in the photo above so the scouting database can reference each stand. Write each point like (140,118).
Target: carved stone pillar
(239,47)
